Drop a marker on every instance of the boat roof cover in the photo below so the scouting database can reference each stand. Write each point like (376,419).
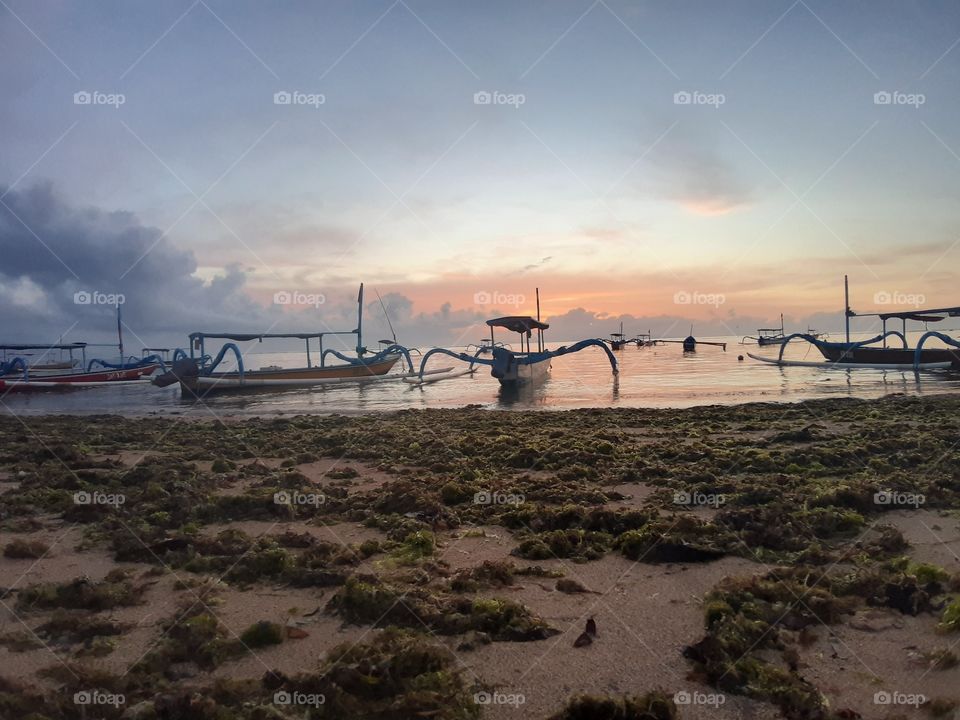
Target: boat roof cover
(518,323)
(261,336)
(68,346)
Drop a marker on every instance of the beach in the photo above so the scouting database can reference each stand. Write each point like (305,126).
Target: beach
(762,560)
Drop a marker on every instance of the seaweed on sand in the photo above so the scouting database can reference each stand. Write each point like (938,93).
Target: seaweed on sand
(395,676)
(652,706)
(114,590)
(367,600)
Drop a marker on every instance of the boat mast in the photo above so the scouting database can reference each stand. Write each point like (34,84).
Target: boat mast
(539,331)
(360,322)
(120,335)
(846,311)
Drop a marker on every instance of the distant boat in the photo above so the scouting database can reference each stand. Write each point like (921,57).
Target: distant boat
(514,369)
(774,336)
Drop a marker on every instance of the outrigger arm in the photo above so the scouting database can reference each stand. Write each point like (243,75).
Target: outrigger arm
(526,359)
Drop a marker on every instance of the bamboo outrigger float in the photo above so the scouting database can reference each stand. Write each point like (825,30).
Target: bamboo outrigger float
(511,368)
(198,375)
(868,354)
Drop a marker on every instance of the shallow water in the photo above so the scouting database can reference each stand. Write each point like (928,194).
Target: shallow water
(661,376)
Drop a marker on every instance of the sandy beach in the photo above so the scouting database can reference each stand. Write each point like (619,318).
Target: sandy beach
(753,561)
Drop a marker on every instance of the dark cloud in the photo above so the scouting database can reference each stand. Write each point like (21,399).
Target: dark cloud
(51,250)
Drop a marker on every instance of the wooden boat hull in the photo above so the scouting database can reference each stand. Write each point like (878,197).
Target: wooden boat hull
(767,341)
(890,356)
(288,378)
(520,375)
(78,380)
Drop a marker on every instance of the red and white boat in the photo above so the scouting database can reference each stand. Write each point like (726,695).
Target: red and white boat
(17,373)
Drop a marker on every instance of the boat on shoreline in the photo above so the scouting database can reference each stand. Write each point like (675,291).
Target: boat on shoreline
(198,374)
(18,373)
(871,353)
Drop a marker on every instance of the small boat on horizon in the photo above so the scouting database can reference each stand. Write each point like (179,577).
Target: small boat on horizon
(774,336)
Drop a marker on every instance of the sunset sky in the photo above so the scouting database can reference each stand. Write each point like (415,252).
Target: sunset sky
(820,139)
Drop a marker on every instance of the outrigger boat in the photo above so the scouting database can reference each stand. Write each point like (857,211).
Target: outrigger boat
(867,354)
(774,336)
(18,373)
(198,375)
(513,369)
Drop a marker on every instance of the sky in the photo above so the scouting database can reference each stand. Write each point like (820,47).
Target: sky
(664,164)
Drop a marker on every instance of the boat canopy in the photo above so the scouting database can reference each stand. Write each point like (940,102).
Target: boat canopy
(518,323)
(243,337)
(68,346)
(922,315)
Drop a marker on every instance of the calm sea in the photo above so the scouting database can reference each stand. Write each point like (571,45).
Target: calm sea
(649,377)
